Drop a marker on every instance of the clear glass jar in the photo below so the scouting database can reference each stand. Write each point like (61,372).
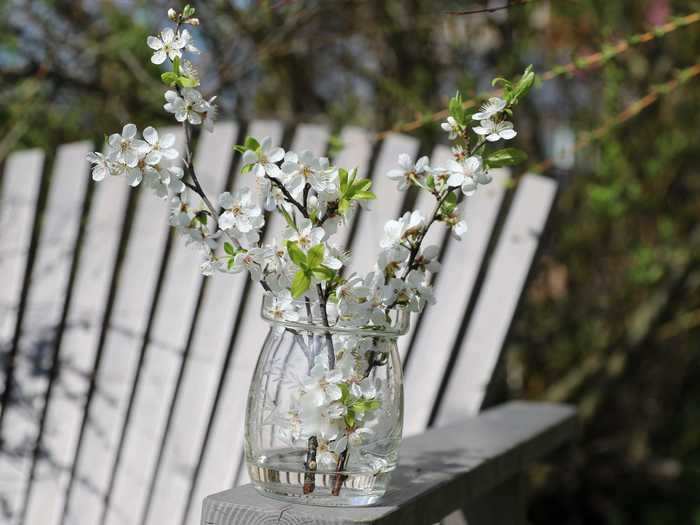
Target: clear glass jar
(325,407)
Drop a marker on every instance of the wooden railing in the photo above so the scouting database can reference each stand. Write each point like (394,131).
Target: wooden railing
(471,471)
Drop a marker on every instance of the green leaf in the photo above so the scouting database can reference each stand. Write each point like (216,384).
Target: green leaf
(296,254)
(228,248)
(169,78)
(245,169)
(187,82)
(456,108)
(449,204)
(300,283)
(505,157)
(251,143)
(315,256)
(176,66)
(343,175)
(524,84)
(323,273)
(361,185)
(350,419)
(287,217)
(231,262)
(364,196)
(240,148)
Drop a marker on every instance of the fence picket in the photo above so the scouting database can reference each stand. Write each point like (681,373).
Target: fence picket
(37,341)
(77,353)
(18,200)
(454,283)
(356,153)
(481,346)
(369,230)
(107,407)
(220,456)
(163,355)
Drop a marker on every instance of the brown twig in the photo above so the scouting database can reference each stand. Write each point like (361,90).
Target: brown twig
(310,466)
(339,477)
(513,3)
(607,52)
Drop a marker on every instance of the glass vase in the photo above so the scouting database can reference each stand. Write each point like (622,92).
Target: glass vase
(325,406)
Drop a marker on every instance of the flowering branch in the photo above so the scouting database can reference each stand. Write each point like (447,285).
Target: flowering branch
(301,271)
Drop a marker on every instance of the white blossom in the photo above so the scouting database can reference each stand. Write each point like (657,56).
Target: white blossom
(407,170)
(452,127)
(189,107)
(306,234)
(263,161)
(240,211)
(168,45)
(490,108)
(465,173)
(101,166)
(159,147)
(126,148)
(397,231)
(282,307)
(495,131)
(458,229)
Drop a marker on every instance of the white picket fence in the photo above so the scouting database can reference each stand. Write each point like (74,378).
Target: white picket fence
(131,370)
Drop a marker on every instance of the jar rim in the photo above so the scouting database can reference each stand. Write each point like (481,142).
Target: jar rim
(398,325)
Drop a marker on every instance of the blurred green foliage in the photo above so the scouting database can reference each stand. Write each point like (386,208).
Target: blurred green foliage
(611,319)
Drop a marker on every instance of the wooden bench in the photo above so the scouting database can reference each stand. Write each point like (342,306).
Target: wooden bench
(124,373)
(474,468)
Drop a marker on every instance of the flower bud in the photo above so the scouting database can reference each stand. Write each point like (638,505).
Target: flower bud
(192,21)
(172,15)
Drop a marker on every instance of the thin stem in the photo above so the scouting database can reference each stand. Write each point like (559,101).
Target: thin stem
(339,478)
(324,317)
(310,466)
(288,196)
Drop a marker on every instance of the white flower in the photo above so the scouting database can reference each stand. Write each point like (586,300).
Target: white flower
(159,148)
(186,41)
(188,107)
(408,226)
(495,130)
(133,174)
(211,111)
(408,170)
(240,211)
(126,148)
(452,127)
(252,261)
(458,230)
(282,307)
(305,167)
(101,166)
(321,386)
(167,46)
(263,160)
(490,108)
(465,173)
(307,235)
(427,259)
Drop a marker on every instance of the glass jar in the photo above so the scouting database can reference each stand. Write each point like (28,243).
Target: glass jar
(325,407)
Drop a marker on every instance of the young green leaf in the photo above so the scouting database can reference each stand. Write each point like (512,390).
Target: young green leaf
(251,144)
(228,248)
(300,283)
(364,196)
(315,256)
(505,157)
(296,254)
(169,78)
(323,273)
